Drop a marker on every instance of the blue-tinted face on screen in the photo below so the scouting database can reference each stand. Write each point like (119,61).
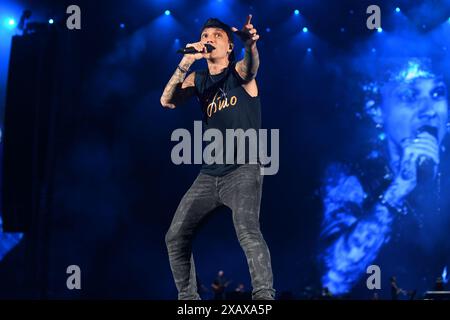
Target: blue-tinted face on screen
(410,105)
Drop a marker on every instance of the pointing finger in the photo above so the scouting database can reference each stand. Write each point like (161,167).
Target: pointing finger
(249,18)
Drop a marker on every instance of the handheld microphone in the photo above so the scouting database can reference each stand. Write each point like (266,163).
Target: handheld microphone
(192,50)
(425,165)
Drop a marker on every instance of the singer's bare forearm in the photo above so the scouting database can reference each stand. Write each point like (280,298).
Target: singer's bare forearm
(178,89)
(248,67)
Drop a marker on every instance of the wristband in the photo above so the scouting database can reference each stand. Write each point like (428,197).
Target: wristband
(182,69)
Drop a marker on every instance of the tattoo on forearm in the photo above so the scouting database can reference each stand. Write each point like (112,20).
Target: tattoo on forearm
(407,172)
(393,197)
(173,87)
(250,64)
(366,236)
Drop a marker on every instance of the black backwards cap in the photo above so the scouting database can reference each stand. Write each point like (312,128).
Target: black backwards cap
(216,23)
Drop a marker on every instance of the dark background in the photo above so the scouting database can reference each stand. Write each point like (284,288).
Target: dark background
(114,188)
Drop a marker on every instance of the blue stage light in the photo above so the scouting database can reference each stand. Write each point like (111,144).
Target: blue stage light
(397,10)
(10,23)
(51,21)
(167,12)
(296,12)
(305,29)
(267,29)
(380,29)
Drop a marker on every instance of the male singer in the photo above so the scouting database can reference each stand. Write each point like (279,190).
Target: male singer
(228,94)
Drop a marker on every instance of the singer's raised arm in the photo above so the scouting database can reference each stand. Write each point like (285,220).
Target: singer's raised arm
(248,66)
(179,88)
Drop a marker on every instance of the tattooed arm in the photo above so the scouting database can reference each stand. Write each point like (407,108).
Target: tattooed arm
(179,88)
(247,68)
(355,248)
(354,240)
(352,237)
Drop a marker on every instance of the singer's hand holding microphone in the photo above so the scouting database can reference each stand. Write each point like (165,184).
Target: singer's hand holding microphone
(195,51)
(420,158)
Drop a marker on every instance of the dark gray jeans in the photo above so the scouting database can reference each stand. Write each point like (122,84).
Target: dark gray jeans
(240,190)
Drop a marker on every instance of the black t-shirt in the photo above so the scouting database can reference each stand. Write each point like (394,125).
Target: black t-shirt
(226,105)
